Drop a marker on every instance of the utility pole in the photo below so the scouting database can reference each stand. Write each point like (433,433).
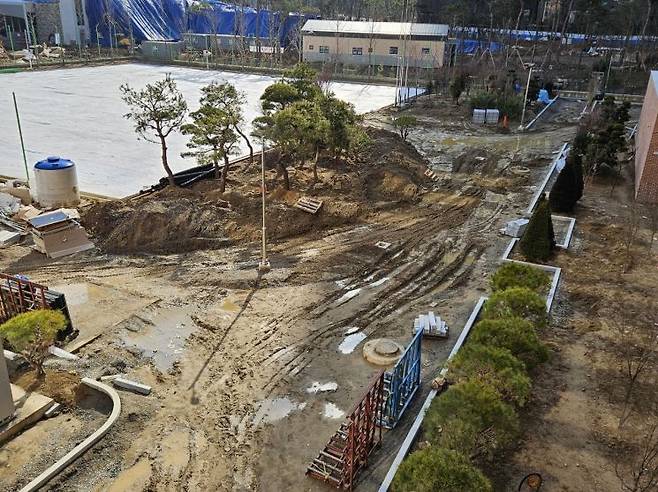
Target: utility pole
(20,134)
(264,265)
(525,99)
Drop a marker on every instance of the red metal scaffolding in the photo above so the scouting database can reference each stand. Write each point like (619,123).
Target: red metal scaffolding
(349,448)
(20,296)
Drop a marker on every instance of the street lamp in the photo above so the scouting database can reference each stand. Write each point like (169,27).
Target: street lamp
(264,265)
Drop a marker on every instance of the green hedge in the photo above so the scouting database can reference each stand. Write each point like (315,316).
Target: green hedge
(514,334)
(436,469)
(517,302)
(476,416)
(495,366)
(519,275)
(471,417)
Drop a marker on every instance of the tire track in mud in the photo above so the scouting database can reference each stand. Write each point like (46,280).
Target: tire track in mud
(384,304)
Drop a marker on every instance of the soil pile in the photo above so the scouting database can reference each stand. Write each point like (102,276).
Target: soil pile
(176,220)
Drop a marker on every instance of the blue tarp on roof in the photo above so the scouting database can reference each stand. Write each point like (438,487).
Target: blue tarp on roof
(169,19)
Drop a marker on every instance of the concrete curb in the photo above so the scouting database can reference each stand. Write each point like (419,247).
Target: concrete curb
(81,448)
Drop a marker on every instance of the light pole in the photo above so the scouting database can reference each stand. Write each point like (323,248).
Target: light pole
(264,265)
(525,99)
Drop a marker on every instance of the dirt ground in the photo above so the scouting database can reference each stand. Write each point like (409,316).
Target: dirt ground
(572,427)
(236,359)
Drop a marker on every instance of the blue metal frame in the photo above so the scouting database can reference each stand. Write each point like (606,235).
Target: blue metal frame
(401,383)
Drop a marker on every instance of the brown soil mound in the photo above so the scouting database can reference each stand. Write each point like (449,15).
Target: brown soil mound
(63,387)
(177,220)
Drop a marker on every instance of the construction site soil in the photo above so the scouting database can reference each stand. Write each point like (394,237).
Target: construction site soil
(237,359)
(175,220)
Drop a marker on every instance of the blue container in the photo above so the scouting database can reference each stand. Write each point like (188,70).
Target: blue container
(54,163)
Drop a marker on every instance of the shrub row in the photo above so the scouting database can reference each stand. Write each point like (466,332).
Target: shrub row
(489,383)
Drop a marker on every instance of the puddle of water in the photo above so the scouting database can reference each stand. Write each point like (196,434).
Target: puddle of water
(275,409)
(349,295)
(161,337)
(331,411)
(229,305)
(379,282)
(316,387)
(350,342)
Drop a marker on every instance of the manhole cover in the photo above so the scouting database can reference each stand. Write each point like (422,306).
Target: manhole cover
(382,351)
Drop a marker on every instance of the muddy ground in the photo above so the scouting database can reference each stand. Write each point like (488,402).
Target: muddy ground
(172,299)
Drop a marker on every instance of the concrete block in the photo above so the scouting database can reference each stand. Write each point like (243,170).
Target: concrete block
(30,407)
(132,386)
(7,238)
(53,411)
(62,354)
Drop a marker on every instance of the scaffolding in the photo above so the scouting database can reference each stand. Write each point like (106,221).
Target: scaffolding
(348,450)
(401,383)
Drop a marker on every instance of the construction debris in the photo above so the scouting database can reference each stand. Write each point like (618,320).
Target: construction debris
(431,325)
(309,205)
(132,386)
(16,188)
(61,353)
(432,175)
(383,244)
(8,238)
(9,205)
(56,234)
(515,228)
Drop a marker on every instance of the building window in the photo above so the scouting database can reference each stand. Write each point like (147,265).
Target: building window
(393,50)
(310,47)
(324,49)
(357,51)
(425,51)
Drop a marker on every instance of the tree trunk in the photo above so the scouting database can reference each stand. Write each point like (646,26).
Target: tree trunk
(222,183)
(165,162)
(216,167)
(246,140)
(284,173)
(315,164)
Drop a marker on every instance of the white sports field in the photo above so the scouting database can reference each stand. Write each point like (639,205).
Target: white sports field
(77,113)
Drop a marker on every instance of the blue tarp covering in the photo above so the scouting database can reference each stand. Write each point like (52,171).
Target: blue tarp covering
(470,46)
(169,19)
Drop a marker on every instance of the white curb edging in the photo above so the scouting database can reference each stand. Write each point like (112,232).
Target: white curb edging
(81,448)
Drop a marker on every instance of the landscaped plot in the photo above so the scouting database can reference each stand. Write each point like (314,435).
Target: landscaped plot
(78,114)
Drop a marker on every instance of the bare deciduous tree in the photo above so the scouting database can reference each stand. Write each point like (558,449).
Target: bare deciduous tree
(638,342)
(640,473)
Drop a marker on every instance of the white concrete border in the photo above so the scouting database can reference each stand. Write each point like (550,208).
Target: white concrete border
(562,153)
(81,448)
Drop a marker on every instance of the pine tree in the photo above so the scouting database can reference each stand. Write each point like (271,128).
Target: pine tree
(538,240)
(567,190)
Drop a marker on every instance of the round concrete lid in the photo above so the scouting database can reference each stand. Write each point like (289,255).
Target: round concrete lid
(387,347)
(382,351)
